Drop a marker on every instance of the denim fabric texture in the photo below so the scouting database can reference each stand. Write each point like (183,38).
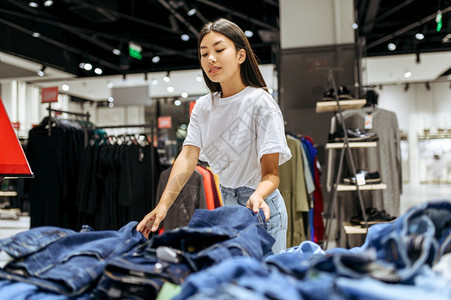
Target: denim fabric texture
(245,272)
(227,291)
(64,261)
(420,236)
(27,291)
(278,222)
(211,237)
(138,274)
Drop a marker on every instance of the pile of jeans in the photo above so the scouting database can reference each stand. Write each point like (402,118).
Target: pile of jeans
(226,254)
(60,261)
(210,238)
(398,260)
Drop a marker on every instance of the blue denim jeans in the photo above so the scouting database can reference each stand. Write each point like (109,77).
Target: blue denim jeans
(418,237)
(278,222)
(214,235)
(211,237)
(245,272)
(138,274)
(62,260)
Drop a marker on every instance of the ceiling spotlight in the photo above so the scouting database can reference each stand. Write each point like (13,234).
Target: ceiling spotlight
(419,36)
(155,59)
(98,71)
(270,91)
(249,33)
(116,52)
(185,37)
(355,26)
(110,85)
(36,34)
(408,74)
(177,102)
(184,95)
(191,12)
(65,87)
(41,71)
(87,66)
(155,82)
(198,78)
(110,99)
(391,47)
(33,4)
(48,3)
(82,65)
(170,89)
(111,104)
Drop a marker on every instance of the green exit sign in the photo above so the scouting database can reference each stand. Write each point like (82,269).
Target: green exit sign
(134,50)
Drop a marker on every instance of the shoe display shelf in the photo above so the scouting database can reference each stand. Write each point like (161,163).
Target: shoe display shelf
(332,106)
(351,145)
(365,187)
(337,106)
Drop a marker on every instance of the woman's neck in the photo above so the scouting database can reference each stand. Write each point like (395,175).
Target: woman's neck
(232,88)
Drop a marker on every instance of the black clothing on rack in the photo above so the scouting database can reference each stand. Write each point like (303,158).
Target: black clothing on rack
(54,160)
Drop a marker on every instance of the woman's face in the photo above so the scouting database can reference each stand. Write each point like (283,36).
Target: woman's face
(219,58)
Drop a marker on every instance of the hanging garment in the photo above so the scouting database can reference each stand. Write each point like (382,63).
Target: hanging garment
(208,187)
(318,202)
(190,198)
(55,161)
(385,158)
(293,189)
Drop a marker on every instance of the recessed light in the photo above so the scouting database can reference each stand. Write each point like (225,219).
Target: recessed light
(419,36)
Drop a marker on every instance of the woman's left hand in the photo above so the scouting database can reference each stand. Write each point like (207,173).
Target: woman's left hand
(256,202)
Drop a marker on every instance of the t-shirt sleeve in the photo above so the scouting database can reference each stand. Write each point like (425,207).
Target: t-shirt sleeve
(193,132)
(271,137)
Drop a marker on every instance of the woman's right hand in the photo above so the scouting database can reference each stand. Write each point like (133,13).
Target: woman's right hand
(151,222)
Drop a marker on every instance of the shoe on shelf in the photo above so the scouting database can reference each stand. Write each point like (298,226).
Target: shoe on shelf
(354,135)
(373,216)
(370,178)
(344,93)
(329,95)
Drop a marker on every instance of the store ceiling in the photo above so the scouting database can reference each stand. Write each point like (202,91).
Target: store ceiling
(75,31)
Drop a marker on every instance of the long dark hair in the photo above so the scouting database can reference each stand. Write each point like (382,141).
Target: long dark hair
(250,73)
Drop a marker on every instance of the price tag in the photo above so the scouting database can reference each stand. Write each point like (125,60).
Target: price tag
(360,178)
(368,121)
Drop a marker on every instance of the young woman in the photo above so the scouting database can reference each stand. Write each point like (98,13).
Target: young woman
(238,129)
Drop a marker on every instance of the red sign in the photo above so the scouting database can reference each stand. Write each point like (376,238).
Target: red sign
(16,125)
(164,122)
(49,94)
(13,161)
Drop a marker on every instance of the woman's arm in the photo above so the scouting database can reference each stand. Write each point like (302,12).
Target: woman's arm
(183,167)
(268,184)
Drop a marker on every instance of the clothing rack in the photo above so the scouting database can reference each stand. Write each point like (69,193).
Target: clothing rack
(150,125)
(86,115)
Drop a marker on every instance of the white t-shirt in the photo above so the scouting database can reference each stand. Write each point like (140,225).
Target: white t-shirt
(233,134)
